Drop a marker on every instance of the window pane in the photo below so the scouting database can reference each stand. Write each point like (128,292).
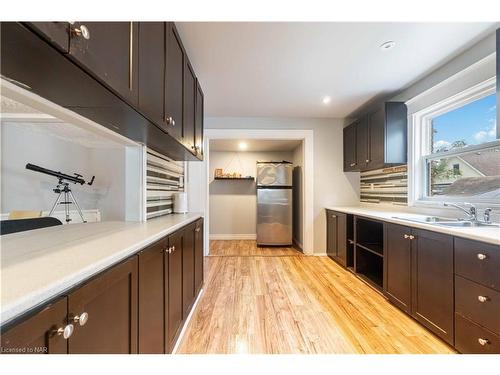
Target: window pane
(471,124)
(472,174)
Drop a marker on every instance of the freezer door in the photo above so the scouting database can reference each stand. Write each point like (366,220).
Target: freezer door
(274,217)
(274,174)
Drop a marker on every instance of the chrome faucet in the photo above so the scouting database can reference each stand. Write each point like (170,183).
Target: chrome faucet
(487,217)
(471,212)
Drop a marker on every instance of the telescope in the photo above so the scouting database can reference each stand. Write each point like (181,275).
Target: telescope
(76,179)
(62,189)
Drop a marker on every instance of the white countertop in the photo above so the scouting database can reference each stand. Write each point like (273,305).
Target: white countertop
(40,264)
(484,234)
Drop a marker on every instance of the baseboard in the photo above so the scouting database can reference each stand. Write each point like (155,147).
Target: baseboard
(319,254)
(186,322)
(251,236)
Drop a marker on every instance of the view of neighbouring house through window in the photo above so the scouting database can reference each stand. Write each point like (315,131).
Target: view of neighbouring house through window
(469,172)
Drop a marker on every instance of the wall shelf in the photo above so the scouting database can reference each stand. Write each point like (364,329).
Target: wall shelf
(235,178)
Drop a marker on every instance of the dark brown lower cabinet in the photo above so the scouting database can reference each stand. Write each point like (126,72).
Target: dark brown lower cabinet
(471,338)
(419,276)
(336,247)
(173,288)
(152,299)
(397,265)
(198,256)
(432,282)
(110,304)
(137,306)
(188,269)
(42,333)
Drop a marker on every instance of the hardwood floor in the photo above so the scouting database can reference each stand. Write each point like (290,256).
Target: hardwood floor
(291,303)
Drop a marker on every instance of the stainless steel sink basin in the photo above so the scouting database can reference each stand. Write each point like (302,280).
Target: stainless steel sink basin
(447,222)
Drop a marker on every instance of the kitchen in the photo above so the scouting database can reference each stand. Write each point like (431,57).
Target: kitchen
(181,191)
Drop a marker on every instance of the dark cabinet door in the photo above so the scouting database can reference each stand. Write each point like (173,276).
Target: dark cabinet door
(109,51)
(173,287)
(198,256)
(331,234)
(152,70)
(198,121)
(432,282)
(43,333)
(397,265)
(174,77)
(57,33)
(151,299)
(376,143)
(362,144)
(350,161)
(189,107)
(337,236)
(188,269)
(107,305)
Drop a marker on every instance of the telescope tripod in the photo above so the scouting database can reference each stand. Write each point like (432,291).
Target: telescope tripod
(62,188)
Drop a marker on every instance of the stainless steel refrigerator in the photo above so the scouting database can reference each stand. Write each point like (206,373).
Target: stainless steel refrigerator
(274,203)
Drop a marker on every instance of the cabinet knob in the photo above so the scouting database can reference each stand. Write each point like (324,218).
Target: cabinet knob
(82,31)
(66,331)
(412,237)
(483,342)
(334,216)
(406,236)
(197,229)
(173,249)
(170,121)
(481,256)
(168,250)
(352,164)
(482,298)
(367,160)
(81,319)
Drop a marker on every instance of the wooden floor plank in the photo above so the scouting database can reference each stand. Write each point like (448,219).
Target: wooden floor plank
(255,302)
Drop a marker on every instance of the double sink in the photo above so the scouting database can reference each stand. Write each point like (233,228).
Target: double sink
(448,222)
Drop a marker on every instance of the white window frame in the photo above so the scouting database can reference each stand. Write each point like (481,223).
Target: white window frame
(420,149)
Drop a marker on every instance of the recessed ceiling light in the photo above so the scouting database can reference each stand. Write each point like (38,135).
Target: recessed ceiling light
(387,45)
(326,99)
(242,145)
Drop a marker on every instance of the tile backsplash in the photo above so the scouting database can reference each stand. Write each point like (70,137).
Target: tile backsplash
(386,185)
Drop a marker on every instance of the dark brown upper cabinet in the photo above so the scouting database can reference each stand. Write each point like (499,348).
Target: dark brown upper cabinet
(198,124)
(189,107)
(350,145)
(198,256)
(109,51)
(152,299)
(152,70)
(57,33)
(336,236)
(174,79)
(46,332)
(378,139)
(397,265)
(173,290)
(104,312)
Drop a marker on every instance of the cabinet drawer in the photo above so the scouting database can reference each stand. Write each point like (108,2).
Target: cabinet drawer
(478,303)
(473,339)
(478,261)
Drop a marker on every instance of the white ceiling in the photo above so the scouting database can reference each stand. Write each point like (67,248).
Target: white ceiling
(259,145)
(284,69)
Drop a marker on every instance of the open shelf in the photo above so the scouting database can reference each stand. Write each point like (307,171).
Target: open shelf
(370,235)
(369,266)
(235,178)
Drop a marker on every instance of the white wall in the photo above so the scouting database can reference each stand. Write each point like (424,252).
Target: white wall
(23,189)
(233,204)
(331,185)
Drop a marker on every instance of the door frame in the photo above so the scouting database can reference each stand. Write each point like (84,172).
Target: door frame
(307,138)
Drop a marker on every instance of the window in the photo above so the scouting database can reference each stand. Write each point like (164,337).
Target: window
(458,155)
